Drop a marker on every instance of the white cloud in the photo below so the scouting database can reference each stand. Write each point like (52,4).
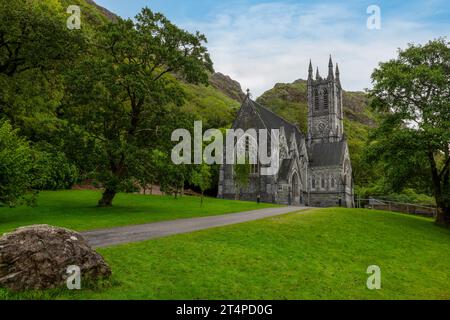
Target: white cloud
(267,43)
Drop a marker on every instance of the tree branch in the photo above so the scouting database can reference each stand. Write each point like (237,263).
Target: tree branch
(162,73)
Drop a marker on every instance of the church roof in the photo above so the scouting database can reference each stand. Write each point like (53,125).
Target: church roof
(327,153)
(319,154)
(285,168)
(274,121)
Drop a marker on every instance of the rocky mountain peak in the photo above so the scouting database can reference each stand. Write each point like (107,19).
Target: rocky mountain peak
(228,86)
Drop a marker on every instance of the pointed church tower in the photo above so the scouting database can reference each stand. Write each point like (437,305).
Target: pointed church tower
(310,71)
(330,70)
(337,73)
(325,112)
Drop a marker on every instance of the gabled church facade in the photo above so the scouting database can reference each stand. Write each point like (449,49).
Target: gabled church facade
(314,170)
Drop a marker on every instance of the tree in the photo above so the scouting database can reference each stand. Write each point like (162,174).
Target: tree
(52,170)
(33,35)
(412,94)
(201,177)
(148,164)
(35,48)
(16,164)
(173,177)
(127,84)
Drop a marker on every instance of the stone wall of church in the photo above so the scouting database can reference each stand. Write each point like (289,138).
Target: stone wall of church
(327,187)
(262,185)
(284,196)
(325,199)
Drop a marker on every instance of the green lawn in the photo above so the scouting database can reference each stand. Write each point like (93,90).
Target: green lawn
(77,210)
(318,254)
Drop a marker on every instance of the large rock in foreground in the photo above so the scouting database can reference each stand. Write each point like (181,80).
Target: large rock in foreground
(37,257)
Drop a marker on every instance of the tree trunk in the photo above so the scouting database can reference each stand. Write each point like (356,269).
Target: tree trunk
(444,218)
(443,215)
(107,198)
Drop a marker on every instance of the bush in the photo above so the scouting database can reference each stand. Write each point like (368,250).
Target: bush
(407,195)
(410,196)
(53,171)
(16,164)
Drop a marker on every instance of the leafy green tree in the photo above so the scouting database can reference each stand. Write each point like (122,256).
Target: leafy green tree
(33,35)
(201,178)
(412,94)
(117,94)
(35,47)
(52,170)
(147,165)
(173,178)
(16,164)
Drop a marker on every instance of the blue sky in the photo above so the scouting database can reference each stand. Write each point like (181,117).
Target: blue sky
(263,42)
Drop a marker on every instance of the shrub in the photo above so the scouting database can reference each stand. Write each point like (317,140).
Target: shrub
(16,163)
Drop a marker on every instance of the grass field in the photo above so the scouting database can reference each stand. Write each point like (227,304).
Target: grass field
(77,210)
(318,254)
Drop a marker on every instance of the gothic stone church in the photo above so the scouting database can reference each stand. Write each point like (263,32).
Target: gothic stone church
(315,170)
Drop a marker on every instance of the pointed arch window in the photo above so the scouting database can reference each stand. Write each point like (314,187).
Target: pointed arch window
(313,183)
(325,98)
(333,182)
(323,182)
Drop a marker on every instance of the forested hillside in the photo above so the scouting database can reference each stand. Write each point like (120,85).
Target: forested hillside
(89,103)
(215,104)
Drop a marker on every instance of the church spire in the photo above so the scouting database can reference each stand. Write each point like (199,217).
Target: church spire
(337,72)
(310,71)
(317,74)
(330,69)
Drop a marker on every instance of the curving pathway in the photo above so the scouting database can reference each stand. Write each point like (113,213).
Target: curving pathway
(120,235)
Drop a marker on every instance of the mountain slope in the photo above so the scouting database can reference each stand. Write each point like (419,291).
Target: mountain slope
(92,15)
(215,104)
(290,101)
(228,86)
